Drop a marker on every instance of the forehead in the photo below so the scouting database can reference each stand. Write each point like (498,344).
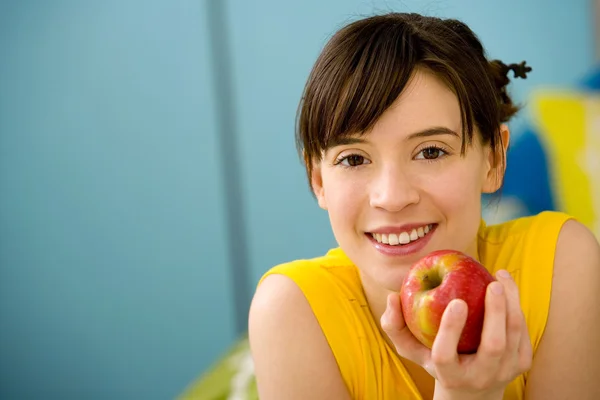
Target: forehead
(426,102)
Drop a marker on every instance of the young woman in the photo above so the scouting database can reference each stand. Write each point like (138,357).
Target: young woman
(402,128)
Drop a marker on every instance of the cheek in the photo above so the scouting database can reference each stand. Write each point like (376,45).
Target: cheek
(457,188)
(344,197)
(458,198)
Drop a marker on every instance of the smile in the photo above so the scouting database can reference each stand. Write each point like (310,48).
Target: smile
(402,238)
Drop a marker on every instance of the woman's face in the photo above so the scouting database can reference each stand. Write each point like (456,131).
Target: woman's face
(403,189)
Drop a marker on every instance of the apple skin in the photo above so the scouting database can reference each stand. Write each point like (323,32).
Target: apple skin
(462,277)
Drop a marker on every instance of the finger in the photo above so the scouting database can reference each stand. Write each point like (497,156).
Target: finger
(493,337)
(514,318)
(444,354)
(392,323)
(525,350)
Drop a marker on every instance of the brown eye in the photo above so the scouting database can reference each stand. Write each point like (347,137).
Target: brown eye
(431,153)
(353,160)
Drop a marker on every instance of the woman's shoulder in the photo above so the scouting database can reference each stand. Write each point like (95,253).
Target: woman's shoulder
(330,274)
(330,284)
(524,246)
(573,313)
(577,244)
(299,321)
(545,225)
(290,351)
(537,250)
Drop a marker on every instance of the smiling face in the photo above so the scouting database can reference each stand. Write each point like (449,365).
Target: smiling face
(403,189)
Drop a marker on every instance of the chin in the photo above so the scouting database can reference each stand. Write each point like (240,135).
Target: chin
(384,275)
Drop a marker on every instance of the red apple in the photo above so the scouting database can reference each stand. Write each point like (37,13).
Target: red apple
(432,283)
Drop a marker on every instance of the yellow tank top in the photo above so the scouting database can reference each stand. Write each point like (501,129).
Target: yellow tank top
(369,367)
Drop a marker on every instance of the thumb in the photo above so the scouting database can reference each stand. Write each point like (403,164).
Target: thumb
(394,326)
(392,320)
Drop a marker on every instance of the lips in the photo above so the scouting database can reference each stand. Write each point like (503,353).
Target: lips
(402,237)
(402,241)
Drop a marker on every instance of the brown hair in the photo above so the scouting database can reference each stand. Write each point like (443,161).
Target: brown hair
(365,66)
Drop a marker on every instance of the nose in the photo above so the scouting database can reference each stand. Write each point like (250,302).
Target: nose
(393,190)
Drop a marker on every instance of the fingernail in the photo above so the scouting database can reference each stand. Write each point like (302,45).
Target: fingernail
(384,320)
(457,307)
(496,287)
(504,274)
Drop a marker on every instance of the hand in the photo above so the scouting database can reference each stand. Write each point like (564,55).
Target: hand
(504,352)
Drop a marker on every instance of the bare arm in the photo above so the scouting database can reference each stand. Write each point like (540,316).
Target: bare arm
(291,355)
(567,363)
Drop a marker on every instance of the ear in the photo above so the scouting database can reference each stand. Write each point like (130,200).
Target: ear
(496,162)
(316,182)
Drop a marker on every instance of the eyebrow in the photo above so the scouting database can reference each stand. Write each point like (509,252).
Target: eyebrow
(433,131)
(437,130)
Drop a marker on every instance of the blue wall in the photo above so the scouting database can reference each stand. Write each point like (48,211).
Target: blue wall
(114,272)
(115,278)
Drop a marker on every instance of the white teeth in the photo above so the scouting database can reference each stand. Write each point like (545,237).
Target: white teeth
(394,239)
(414,235)
(404,238)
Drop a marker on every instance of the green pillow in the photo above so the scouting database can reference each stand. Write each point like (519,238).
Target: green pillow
(231,378)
